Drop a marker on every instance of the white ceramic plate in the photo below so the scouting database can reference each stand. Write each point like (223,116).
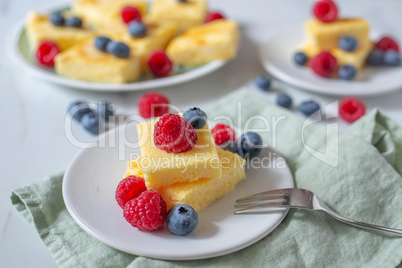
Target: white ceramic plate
(277,58)
(89,188)
(20,51)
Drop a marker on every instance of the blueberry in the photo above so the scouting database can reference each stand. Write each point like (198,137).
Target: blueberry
(137,29)
(105,110)
(118,49)
(309,107)
(74,22)
(230,146)
(101,43)
(347,72)
(284,100)
(375,58)
(78,109)
(181,1)
(249,145)
(91,122)
(181,219)
(196,117)
(263,82)
(348,43)
(392,58)
(300,58)
(57,19)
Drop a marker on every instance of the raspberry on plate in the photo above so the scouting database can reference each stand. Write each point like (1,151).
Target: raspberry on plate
(153,104)
(160,64)
(223,133)
(213,16)
(351,109)
(174,134)
(324,64)
(46,53)
(129,188)
(147,212)
(387,43)
(325,11)
(129,14)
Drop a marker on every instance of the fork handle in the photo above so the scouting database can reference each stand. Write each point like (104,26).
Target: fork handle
(362,224)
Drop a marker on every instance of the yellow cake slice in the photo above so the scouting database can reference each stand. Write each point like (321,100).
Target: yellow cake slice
(326,35)
(217,40)
(185,14)
(85,62)
(356,58)
(203,192)
(106,14)
(39,29)
(161,168)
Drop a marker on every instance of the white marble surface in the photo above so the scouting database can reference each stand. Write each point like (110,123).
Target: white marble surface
(33,140)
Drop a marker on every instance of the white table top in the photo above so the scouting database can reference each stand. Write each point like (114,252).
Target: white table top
(34,142)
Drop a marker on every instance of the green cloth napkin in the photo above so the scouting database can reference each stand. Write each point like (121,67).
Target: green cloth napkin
(357,173)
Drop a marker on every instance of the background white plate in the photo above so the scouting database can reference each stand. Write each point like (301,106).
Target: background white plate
(277,59)
(89,188)
(20,51)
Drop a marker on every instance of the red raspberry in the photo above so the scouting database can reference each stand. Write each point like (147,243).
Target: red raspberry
(146,212)
(325,11)
(223,133)
(323,64)
(46,53)
(160,64)
(129,188)
(351,109)
(153,104)
(213,16)
(129,14)
(174,134)
(387,43)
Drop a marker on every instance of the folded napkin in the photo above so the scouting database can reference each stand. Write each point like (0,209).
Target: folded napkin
(357,173)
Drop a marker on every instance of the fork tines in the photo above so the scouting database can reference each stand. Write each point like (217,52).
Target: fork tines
(274,198)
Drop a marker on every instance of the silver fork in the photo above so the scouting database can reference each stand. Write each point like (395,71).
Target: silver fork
(296,198)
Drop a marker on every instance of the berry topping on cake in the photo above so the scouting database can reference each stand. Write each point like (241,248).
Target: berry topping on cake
(347,72)
(223,133)
(74,22)
(213,16)
(249,145)
(129,14)
(351,109)
(181,219)
(160,64)
(105,110)
(300,58)
(77,109)
(309,107)
(129,188)
(153,104)
(348,43)
(118,49)
(174,134)
(284,100)
(323,64)
(196,117)
(263,82)
(101,43)
(387,43)
(91,122)
(325,11)
(147,212)
(137,29)
(375,57)
(57,19)
(46,53)
(392,58)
